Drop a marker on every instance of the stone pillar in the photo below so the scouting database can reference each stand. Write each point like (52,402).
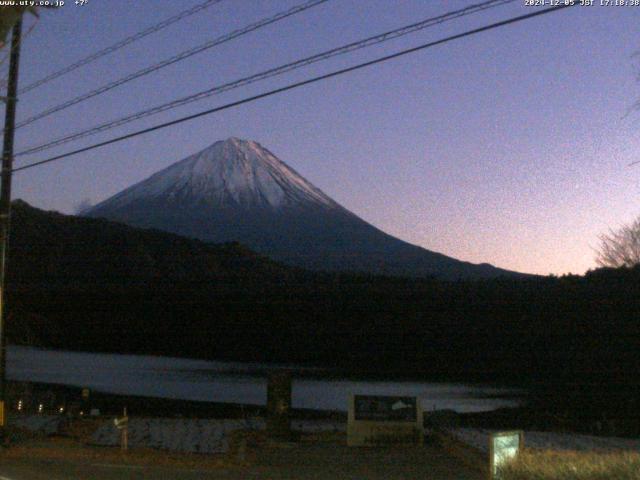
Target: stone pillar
(279,405)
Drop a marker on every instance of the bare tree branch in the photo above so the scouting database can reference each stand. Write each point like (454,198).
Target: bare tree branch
(620,248)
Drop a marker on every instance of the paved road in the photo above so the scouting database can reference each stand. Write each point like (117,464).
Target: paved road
(293,461)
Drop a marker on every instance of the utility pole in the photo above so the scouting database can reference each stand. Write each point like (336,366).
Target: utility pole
(5,208)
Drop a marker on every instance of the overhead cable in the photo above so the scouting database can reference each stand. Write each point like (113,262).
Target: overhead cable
(297,85)
(169,61)
(120,44)
(367,42)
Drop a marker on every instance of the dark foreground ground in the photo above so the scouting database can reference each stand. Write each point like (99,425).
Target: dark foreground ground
(322,457)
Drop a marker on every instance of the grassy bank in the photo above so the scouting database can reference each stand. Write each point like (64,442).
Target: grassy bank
(574,466)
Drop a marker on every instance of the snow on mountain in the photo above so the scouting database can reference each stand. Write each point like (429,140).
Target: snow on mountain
(233,171)
(236,190)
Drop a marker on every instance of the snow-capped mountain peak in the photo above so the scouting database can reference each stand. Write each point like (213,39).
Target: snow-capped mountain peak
(236,190)
(229,172)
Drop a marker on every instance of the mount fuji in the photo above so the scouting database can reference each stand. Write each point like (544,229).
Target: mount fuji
(237,190)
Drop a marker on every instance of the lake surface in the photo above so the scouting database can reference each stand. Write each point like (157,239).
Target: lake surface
(229,382)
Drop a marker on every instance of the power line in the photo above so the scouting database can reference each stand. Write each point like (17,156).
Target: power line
(118,45)
(367,42)
(298,84)
(176,58)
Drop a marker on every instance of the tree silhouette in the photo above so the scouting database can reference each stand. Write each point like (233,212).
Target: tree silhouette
(620,248)
(9,15)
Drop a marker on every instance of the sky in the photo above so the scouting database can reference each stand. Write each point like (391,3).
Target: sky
(510,147)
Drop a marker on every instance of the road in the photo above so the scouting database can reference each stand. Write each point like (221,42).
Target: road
(324,461)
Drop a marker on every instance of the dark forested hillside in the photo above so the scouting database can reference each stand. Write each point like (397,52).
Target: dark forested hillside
(79,283)
(54,249)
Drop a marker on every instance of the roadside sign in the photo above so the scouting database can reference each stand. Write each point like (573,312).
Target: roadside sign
(503,447)
(85,394)
(385,409)
(122,422)
(377,420)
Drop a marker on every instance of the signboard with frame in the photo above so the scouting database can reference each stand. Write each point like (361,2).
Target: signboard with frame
(503,447)
(379,420)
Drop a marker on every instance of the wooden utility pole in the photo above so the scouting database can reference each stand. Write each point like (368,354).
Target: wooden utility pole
(5,207)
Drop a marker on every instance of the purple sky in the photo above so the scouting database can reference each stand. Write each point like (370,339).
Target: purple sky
(509,147)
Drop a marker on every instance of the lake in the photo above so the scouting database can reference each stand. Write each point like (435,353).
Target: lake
(232,382)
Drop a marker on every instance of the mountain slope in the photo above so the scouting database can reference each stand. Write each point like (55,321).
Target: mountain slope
(52,250)
(236,190)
